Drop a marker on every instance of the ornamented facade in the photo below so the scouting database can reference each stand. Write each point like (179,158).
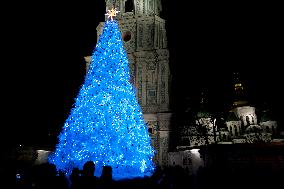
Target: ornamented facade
(241,124)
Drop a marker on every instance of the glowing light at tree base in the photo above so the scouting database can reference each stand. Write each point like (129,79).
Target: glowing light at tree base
(106,124)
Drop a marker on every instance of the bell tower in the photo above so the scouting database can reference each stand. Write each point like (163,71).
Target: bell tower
(239,91)
(145,40)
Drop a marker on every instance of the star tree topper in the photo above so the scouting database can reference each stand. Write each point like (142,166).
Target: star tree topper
(112,13)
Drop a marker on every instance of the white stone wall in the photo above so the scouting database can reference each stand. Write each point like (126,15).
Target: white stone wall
(164,137)
(208,123)
(247,115)
(141,7)
(128,29)
(163,148)
(269,126)
(152,80)
(234,127)
(144,32)
(189,159)
(159,129)
(224,136)
(176,158)
(42,156)
(153,128)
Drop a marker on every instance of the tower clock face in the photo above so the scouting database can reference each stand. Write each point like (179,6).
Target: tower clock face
(126,36)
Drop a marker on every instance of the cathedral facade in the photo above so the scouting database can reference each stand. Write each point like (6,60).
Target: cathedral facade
(239,124)
(242,124)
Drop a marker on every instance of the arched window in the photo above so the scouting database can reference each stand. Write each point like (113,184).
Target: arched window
(267,129)
(129,6)
(231,130)
(126,36)
(242,121)
(273,130)
(247,120)
(236,131)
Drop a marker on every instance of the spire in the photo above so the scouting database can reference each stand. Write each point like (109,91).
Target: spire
(238,85)
(203,97)
(239,91)
(203,104)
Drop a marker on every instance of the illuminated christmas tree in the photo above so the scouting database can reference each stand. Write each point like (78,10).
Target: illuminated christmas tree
(106,123)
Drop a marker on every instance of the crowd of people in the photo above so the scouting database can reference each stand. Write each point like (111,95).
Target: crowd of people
(45,176)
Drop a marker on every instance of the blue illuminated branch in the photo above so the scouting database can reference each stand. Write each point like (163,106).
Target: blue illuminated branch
(105,124)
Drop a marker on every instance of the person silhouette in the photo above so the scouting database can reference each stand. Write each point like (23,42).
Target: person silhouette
(75,178)
(106,177)
(88,179)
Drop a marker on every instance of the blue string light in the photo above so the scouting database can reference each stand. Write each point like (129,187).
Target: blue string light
(106,123)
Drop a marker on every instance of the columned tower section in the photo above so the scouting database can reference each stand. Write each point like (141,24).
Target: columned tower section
(239,91)
(144,35)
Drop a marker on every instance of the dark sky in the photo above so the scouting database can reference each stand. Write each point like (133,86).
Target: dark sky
(43,45)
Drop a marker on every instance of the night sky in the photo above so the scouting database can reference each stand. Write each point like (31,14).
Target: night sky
(43,46)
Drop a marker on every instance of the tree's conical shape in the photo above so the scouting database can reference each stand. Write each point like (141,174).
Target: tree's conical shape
(106,124)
